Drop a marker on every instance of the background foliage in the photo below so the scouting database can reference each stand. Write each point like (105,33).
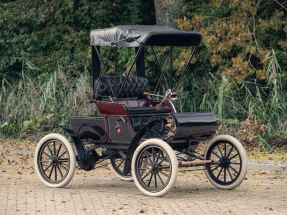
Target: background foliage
(239,73)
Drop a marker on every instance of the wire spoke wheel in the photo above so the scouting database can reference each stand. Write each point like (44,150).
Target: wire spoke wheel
(229,162)
(160,172)
(54,161)
(118,164)
(157,174)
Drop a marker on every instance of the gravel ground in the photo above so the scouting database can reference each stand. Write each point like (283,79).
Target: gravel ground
(99,192)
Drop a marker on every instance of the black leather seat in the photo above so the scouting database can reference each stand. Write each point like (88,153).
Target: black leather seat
(146,110)
(134,87)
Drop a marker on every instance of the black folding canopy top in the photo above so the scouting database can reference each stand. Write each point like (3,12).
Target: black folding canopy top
(136,35)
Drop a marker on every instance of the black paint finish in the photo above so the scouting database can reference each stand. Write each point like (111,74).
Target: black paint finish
(134,144)
(89,127)
(85,160)
(195,124)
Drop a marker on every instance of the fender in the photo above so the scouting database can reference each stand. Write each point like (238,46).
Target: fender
(97,128)
(135,143)
(85,160)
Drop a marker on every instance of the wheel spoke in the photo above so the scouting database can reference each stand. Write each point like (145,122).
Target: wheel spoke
(230,173)
(157,158)
(62,155)
(150,179)
(214,163)
(219,172)
(47,168)
(145,161)
(63,160)
(54,145)
(160,178)
(235,163)
(164,173)
(51,172)
(60,171)
(214,168)
(219,150)
(233,156)
(146,175)
(63,167)
(164,167)
(50,149)
(216,155)
(155,182)
(44,161)
(120,164)
(153,156)
(224,149)
(46,154)
(148,157)
(230,151)
(59,150)
(55,174)
(233,169)
(162,160)
(224,174)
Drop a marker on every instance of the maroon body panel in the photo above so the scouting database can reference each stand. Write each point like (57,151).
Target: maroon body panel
(111,109)
(107,108)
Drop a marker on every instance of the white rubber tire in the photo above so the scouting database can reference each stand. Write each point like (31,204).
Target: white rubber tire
(119,176)
(66,142)
(174,163)
(243,156)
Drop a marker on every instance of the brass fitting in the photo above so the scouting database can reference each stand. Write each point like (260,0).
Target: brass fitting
(171,127)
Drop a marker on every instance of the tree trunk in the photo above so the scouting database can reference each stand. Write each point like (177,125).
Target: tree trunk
(161,17)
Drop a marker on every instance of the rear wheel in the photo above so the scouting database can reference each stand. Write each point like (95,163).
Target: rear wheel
(230,162)
(161,170)
(116,165)
(55,160)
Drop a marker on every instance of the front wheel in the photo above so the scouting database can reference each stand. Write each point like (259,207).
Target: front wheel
(55,160)
(229,166)
(160,172)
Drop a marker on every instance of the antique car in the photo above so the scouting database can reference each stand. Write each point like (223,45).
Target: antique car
(140,134)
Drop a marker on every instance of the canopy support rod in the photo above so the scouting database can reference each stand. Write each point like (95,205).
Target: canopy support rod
(116,62)
(104,70)
(185,69)
(95,87)
(171,72)
(136,58)
(161,68)
(96,68)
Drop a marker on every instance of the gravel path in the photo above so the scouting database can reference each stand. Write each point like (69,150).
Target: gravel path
(99,192)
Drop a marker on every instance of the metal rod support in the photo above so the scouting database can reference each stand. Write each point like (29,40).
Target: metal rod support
(161,68)
(194,163)
(185,69)
(104,69)
(116,62)
(136,58)
(170,61)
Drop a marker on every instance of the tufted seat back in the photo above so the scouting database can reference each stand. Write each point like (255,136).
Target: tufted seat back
(134,87)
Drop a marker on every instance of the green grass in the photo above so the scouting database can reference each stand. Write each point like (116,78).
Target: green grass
(35,104)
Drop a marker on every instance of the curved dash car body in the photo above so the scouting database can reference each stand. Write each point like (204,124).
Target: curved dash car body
(140,133)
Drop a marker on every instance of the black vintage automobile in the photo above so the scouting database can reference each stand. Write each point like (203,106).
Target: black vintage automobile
(140,134)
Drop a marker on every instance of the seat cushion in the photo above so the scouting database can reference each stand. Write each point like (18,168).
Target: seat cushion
(146,110)
(134,87)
